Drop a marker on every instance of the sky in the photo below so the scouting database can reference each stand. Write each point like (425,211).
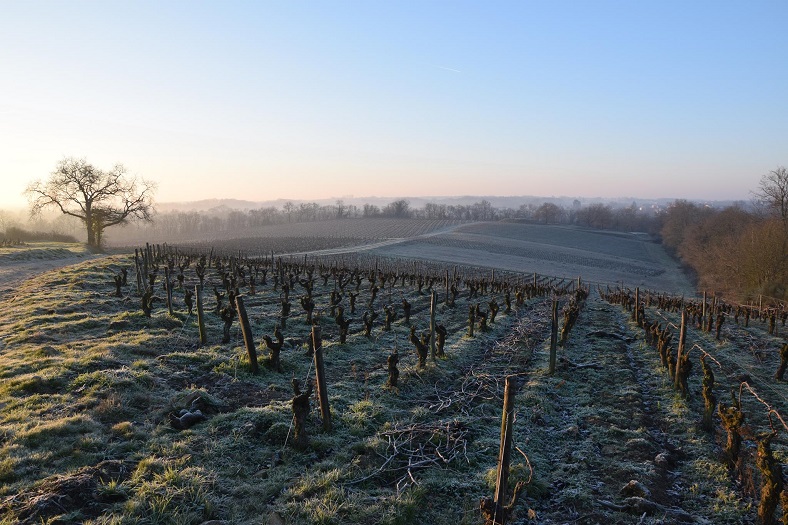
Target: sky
(329,99)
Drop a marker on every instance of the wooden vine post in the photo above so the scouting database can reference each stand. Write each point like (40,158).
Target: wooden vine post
(145,261)
(138,270)
(703,310)
(680,352)
(471,319)
(636,316)
(320,372)
(553,336)
(200,315)
(504,453)
(433,305)
(246,330)
(447,286)
(168,288)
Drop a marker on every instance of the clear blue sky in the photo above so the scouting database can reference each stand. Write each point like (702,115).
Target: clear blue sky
(309,100)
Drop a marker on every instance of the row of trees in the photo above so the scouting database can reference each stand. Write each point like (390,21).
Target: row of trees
(188,224)
(736,252)
(399,209)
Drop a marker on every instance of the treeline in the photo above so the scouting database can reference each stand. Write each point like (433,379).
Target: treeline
(733,252)
(599,216)
(205,224)
(739,253)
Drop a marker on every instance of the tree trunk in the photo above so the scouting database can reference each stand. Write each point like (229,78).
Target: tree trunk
(89,224)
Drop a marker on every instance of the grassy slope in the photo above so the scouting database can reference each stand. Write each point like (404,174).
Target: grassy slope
(33,251)
(87,378)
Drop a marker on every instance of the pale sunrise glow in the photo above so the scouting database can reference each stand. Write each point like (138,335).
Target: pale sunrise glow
(269,100)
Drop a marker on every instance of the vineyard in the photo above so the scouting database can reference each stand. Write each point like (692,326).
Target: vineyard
(340,232)
(597,256)
(202,385)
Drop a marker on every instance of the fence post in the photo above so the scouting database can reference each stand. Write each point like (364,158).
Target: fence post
(505,452)
(200,314)
(246,330)
(320,372)
(553,336)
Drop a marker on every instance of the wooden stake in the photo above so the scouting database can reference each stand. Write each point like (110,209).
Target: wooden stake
(471,319)
(433,305)
(320,372)
(168,289)
(553,337)
(447,286)
(703,311)
(200,315)
(145,261)
(246,330)
(505,451)
(138,270)
(682,337)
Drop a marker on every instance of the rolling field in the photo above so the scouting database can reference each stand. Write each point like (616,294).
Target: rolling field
(597,256)
(91,384)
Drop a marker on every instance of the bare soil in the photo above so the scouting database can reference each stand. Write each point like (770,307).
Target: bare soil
(26,262)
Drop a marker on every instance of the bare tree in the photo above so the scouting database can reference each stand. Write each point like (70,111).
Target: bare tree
(370,210)
(679,216)
(598,216)
(98,198)
(773,192)
(399,209)
(548,213)
(289,208)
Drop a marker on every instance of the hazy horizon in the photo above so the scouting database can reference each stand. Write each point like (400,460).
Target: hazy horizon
(416,202)
(272,100)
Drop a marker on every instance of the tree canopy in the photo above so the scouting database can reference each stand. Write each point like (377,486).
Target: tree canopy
(98,198)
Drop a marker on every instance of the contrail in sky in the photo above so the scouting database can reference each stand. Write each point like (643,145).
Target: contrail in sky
(449,69)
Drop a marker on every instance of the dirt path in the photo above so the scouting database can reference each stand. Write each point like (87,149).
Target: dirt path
(14,273)
(381,244)
(606,438)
